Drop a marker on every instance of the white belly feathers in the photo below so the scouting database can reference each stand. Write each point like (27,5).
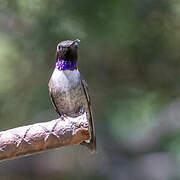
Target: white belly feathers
(64,80)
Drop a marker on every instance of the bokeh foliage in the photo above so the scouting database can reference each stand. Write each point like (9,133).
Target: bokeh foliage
(129,55)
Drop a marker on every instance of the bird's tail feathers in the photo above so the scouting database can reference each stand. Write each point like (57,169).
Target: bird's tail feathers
(91,145)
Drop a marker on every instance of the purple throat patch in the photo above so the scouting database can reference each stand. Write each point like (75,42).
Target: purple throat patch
(66,65)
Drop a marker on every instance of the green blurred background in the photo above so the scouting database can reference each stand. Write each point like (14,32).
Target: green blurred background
(130,56)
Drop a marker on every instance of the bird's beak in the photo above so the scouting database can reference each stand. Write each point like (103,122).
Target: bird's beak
(75,42)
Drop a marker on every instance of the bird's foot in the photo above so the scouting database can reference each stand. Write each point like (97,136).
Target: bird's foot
(63,117)
(81,111)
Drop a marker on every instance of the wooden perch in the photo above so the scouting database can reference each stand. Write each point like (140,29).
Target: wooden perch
(27,140)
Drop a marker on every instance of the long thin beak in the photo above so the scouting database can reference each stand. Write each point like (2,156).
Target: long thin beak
(75,41)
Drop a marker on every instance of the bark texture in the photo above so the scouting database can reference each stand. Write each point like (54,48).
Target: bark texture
(31,139)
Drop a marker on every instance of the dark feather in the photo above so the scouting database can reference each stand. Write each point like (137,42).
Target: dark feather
(92,144)
(54,104)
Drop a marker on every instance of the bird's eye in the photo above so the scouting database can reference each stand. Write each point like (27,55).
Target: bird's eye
(59,47)
(76,45)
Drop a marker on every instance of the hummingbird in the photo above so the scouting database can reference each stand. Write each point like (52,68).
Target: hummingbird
(68,89)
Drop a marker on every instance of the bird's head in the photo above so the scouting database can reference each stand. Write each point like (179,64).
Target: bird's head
(67,50)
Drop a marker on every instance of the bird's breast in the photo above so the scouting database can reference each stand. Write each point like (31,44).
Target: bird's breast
(65,80)
(67,92)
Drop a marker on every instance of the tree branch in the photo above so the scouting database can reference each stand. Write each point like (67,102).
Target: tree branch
(27,140)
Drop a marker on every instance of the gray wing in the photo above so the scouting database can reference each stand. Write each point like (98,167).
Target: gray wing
(53,102)
(92,144)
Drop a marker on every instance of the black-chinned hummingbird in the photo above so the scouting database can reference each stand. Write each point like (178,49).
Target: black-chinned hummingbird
(68,90)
